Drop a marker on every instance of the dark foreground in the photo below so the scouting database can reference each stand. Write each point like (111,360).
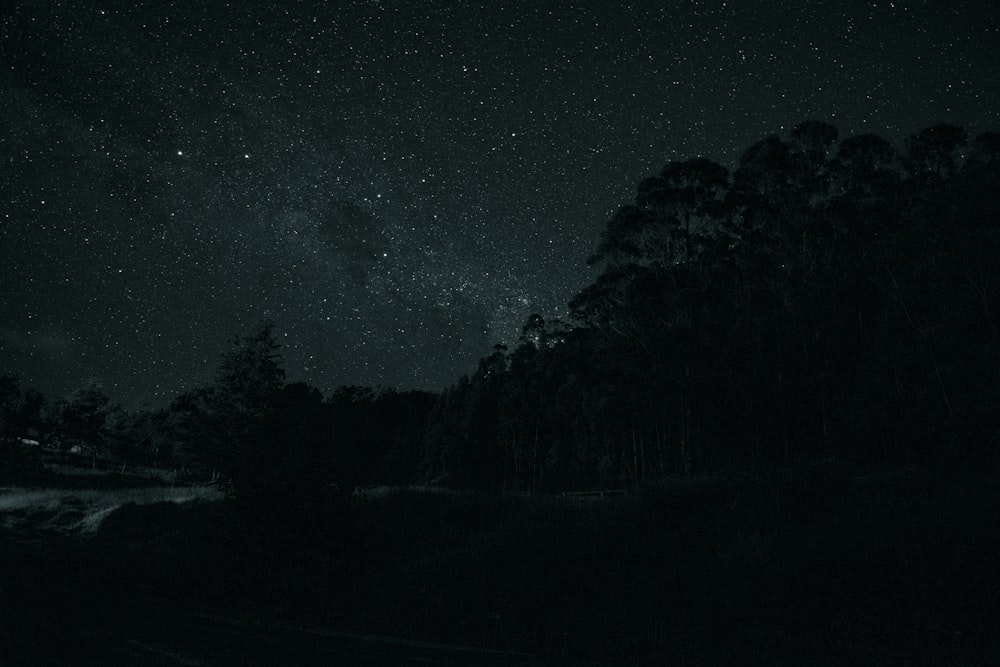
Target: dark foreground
(149,633)
(815,566)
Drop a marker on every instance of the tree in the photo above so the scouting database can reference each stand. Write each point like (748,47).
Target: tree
(814,138)
(250,373)
(825,302)
(985,151)
(222,425)
(293,442)
(685,192)
(81,418)
(10,398)
(864,167)
(764,169)
(247,383)
(932,152)
(443,443)
(184,427)
(632,235)
(131,435)
(20,409)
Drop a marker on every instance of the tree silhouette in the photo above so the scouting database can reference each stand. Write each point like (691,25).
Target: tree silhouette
(223,425)
(20,413)
(823,300)
(81,418)
(985,151)
(814,138)
(816,277)
(933,152)
(20,409)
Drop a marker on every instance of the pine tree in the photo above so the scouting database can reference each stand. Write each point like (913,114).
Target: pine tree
(235,408)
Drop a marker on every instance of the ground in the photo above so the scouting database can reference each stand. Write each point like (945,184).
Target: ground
(790,567)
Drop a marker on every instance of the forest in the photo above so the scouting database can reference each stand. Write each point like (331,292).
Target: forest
(765,339)
(823,300)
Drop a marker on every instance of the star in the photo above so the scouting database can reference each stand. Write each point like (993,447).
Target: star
(482,148)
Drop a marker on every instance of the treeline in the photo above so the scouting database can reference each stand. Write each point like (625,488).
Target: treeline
(826,299)
(248,428)
(266,436)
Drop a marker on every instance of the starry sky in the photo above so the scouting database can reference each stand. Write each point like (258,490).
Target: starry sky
(398,184)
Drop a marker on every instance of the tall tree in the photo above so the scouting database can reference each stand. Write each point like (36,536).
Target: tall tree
(985,151)
(686,193)
(933,151)
(228,416)
(21,415)
(81,418)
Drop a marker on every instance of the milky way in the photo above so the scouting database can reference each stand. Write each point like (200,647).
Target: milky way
(397,184)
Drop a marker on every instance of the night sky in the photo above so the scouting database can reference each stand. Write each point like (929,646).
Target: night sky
(397,184)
